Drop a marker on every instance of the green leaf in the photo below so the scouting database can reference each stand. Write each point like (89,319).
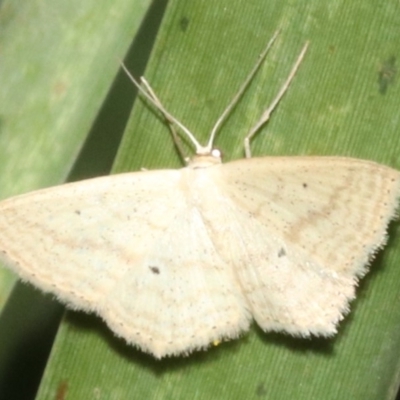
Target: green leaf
(343,101)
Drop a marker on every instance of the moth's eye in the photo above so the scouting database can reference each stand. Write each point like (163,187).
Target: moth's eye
(217,153)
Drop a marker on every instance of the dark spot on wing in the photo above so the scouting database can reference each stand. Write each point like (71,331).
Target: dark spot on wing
(154,270)
(305,185)
(281,252)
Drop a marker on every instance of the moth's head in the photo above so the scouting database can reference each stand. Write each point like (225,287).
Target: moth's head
(206,159)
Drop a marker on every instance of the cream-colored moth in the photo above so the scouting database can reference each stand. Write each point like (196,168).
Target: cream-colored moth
(175,260)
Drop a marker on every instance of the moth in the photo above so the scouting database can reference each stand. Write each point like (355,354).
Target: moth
(176,259)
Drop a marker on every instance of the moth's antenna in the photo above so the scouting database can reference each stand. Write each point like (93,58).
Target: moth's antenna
(199,148)
(239,94)
(175,136)
(267,113)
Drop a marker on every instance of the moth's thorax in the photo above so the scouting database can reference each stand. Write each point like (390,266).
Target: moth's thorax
(205,160)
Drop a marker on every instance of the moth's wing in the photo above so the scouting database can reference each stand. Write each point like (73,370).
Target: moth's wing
(303,230)
(127,247)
